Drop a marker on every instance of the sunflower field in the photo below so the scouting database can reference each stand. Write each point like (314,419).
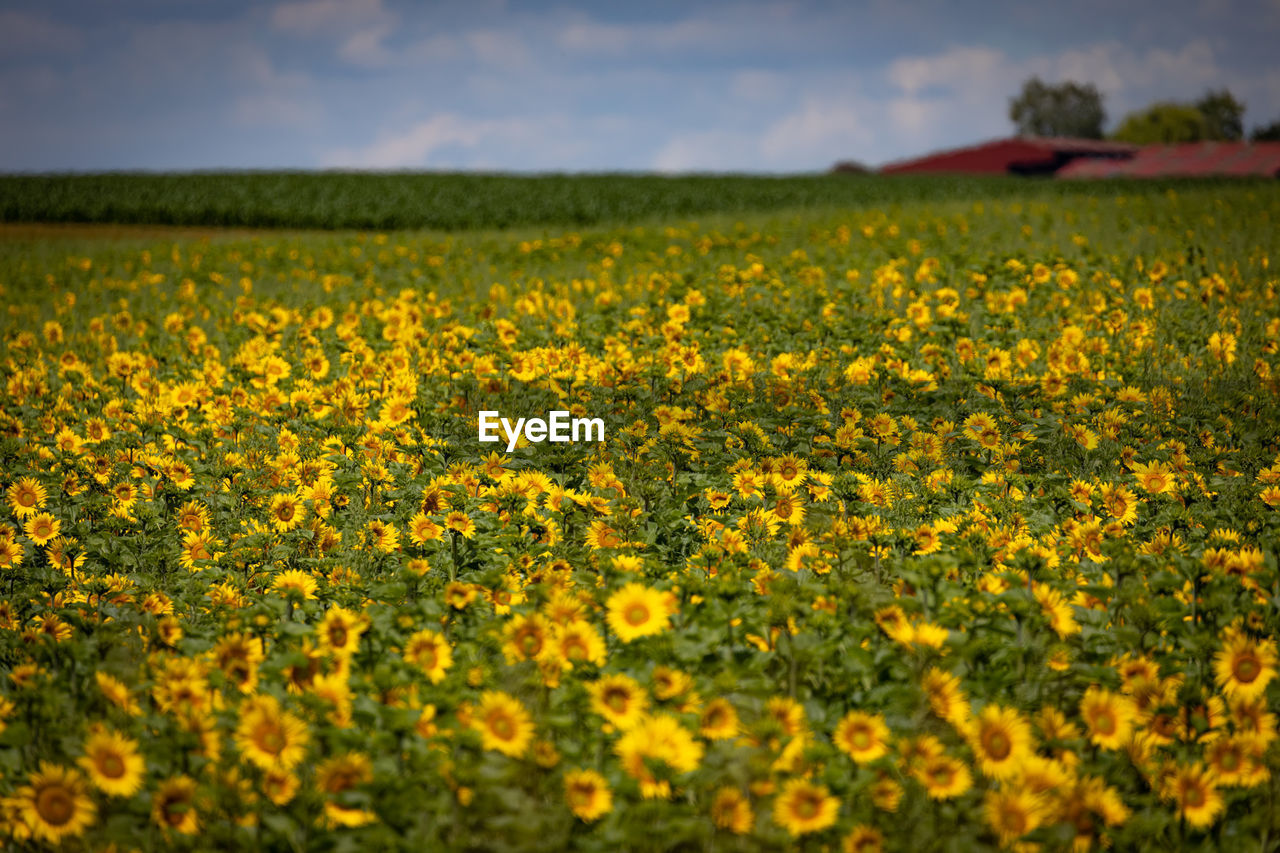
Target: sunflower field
(932,525)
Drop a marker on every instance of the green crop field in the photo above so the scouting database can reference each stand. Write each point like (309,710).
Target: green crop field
(927,515)
(470,201)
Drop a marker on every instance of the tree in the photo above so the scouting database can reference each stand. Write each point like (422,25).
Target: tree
(1165,122)
(1266,132)
(1223,115)
(1064,109)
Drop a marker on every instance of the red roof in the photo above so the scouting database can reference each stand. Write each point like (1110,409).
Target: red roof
(1185,159)
(1000,156)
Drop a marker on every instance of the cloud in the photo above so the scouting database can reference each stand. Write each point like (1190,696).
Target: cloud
(360,25)
(820,131)
(415,146)
(326,17)
(25,34)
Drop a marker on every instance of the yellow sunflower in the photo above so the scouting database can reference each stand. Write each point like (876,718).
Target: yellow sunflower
(423,530)
(1243,667)
(863,839)
(337,775)
(731,810)
(1001,741)
(113,763)
(269,737)
(1194,793)
(173,806)
(42,528)
(525,637)
(655,741)
(503,723)
(619,699)
(863,737)
(26,497)
(587,794)
(1012,813)
(803,807)
(430,652)
(1108,717)
(718,720)
(943,777)
(340,632)
(637,611)
(295,583)
(55,805)
(577,642)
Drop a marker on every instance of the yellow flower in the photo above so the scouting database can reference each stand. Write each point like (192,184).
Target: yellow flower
(864,737)
(1108,717)
(1013,813)
(1194,794)
(423,530)
(943,777)
(731,810)
(430,652)
(42,528)
(718,720)
(657,740)
(337,775)
(1243,667)
(268,737)
(1001,741)
(26,497)
(637,611)
(173,806)
(803,807)
(863,839)
(113,763)
(295,583)
(619,699)
(503,723)
(587,794)
(55,804)
(340,632)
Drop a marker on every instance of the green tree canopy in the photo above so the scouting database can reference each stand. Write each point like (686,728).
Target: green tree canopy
(1223,115)
(1266,132)
(1063,109)
(1165,122)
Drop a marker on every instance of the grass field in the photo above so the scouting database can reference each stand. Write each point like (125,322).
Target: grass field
(928,517)
(336,200)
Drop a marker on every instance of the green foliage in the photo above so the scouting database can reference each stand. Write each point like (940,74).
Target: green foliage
(1162,124)
(1064,109)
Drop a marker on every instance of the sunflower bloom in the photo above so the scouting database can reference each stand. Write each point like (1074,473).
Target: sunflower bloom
(1108,716)
(269,737)
(1001,741)
(863,737)
(731,810)
(503,723)
(619,699)
(55,805)
(1195,795)
(1243,667)
(430,652)
(1013,813)
(803,807)
(637,611)
(587,794)
(173,806)
(113,763)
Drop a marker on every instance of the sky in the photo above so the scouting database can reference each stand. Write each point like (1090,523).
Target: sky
(501,85)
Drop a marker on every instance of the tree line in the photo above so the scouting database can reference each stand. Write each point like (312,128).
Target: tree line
(1076,110)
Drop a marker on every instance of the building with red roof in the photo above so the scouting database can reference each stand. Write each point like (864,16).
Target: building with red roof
(1092,158)
(1019,155)
(1187,159)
